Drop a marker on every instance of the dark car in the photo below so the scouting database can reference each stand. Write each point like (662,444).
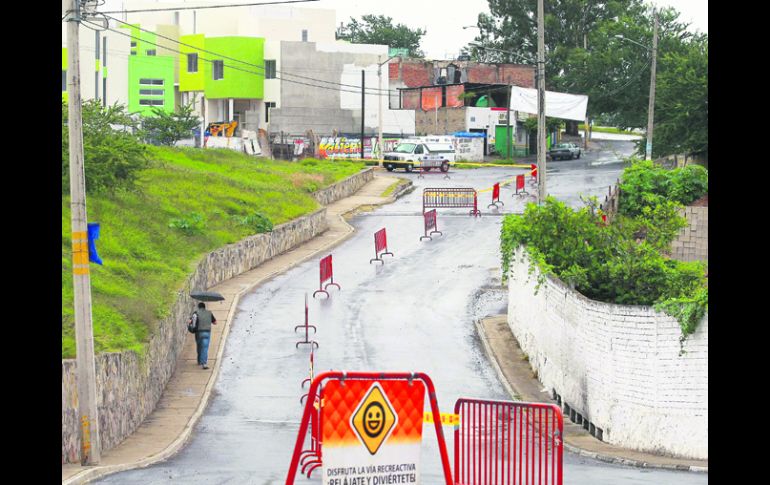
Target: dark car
(564,150)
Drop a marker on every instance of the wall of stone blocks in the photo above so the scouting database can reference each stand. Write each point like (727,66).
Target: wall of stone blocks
(621,367)
(450,120)
(692,244)
(129,387)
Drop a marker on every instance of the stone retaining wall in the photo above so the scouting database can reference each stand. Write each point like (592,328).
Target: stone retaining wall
(128,386)
(345,188)
(617,369)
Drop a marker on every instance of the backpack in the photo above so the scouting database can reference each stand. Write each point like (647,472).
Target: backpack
(192,325)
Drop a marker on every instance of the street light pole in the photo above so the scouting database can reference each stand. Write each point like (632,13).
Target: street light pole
(651,108)
(541,191)
(84,332)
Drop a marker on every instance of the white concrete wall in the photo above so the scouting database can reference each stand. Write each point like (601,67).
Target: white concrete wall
(482,118)
(619,366)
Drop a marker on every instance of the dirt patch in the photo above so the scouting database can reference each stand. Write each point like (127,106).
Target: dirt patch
(702,202)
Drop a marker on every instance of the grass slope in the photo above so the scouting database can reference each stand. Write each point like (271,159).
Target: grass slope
(208,196)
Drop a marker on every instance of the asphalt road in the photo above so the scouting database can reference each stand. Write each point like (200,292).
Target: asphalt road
(414,313)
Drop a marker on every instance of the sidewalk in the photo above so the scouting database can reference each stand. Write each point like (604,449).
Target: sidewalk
(170,425)
(517,376)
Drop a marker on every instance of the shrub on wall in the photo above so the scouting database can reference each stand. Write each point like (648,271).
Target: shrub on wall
(644,184)
(611,263)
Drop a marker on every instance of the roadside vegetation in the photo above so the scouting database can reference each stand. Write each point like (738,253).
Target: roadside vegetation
(166,209)
(625,261)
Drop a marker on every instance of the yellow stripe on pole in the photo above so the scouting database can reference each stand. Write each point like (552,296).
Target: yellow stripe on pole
(447,419)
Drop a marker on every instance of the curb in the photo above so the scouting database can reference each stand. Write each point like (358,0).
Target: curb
(100,471)
(573,448)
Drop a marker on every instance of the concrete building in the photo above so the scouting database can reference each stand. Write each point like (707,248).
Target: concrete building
(104,59)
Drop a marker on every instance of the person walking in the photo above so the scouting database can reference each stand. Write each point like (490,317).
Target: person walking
(203,333)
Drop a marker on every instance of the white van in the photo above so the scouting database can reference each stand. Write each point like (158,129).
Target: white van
(409,154)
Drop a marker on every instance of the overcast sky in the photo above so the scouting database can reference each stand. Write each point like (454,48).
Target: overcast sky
(444,19)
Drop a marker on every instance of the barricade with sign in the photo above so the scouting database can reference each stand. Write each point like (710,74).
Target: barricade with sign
(371,426)
(533,167)
(450,197)
(520,190)
(306,326)
(430,224)
(380,243)
(327,273)
(496,196)
(508,442)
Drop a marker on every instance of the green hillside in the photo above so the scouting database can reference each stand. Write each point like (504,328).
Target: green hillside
(188,203)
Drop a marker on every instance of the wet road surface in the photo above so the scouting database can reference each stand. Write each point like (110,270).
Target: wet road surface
(414,313)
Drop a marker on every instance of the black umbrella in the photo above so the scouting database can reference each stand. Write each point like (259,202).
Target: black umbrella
(207,296)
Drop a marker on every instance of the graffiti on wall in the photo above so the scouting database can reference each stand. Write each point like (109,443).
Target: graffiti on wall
(342,147)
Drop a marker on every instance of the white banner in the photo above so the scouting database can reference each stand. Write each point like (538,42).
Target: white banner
(557,105)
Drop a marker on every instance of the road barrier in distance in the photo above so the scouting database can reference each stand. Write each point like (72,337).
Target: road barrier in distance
(430,223)
(306,326)
(308,380)
(533,167)
(427,165)
(327,273)
(380,243)
(450,197)
(506,442)
(496,196)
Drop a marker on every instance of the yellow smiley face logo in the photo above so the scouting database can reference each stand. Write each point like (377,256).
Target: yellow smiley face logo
(374,419)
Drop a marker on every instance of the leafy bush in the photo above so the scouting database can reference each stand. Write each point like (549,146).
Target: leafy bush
(190,224)
(257,222)
(645,184)
(113,155)
(164,128)
(615,263)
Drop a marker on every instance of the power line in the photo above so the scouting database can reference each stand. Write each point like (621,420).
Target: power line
(370,90)
(211,6)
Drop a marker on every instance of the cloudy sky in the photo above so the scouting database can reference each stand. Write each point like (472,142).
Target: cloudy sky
(443,19)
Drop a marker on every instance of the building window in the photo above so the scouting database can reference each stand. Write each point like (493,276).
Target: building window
(133,43)
(304,35)
(150,52)
(63,80)
(151,102)
(219,69)
(151,92)
(268,105)
(270,69)
(151,82)
(192,62)
(133,53)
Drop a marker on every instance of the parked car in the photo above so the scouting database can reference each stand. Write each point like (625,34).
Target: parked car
(564,150)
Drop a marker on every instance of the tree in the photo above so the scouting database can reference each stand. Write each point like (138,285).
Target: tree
(681,101)
(164,128)
(113,154)
(379,29)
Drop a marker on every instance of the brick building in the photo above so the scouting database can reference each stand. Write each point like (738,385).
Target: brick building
(451,96)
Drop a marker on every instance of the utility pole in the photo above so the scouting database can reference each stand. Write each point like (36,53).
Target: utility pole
(84,332)
(541,191)
(651,108)
(363,108)
(379,131)
(508,122)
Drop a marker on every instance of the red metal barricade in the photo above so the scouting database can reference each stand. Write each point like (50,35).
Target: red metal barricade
(380,243)
(506,442)
(327,273)
(306,326)
(314,398)
(520,190)
(533,167)
(496,196)
(430,224)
